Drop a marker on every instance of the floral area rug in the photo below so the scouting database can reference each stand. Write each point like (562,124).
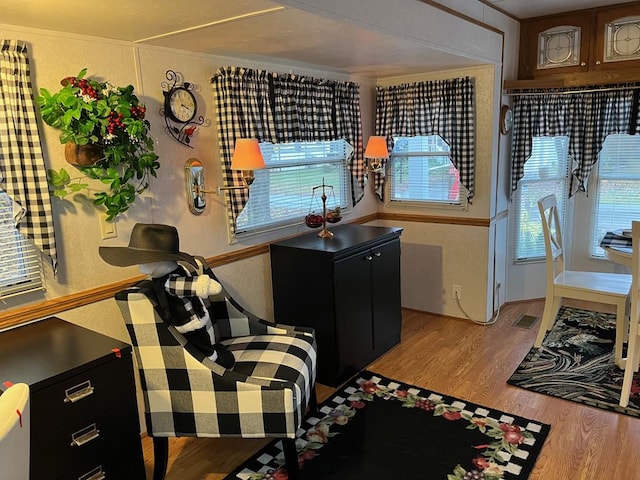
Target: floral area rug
(378,428)
(575,362)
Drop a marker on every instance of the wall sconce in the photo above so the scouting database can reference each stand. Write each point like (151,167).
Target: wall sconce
(246,157)
(375,152)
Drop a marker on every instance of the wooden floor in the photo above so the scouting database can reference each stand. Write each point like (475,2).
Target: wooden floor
(472,362)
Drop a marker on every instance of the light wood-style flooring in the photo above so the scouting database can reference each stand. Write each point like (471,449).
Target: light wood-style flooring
(472,362)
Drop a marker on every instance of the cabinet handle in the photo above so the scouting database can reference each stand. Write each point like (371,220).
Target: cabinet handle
(78,392)
(95,474)
(84,435)
(598,62)
(368,257)
(377,254)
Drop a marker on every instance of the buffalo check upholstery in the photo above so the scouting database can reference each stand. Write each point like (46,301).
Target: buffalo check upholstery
(265,393)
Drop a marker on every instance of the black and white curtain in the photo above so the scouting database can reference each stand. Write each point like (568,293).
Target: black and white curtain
(281,108)
(22,169)
(440,107)
(584,115)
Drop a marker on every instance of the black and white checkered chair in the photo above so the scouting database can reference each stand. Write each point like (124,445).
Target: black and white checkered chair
(265,394)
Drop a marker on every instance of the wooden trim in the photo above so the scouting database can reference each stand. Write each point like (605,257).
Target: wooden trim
(47,308)
(611,77)
(404,217)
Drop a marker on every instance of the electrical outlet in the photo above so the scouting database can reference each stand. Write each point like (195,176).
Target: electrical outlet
(456,291)
(107,229)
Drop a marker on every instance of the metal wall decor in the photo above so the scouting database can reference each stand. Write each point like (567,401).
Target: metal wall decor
(180,108)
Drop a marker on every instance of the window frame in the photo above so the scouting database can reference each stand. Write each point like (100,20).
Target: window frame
(337,195)
(561,197)
(19,255)
(394,155)
(595,235)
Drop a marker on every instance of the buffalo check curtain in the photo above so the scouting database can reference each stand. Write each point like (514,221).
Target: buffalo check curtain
(281,108)
(583,115)
(441,107)
(22,168)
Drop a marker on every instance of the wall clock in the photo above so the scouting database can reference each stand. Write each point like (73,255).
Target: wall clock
(180,108)
(506,119)
(180,104)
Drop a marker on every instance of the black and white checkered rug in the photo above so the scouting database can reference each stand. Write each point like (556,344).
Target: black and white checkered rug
(375,427)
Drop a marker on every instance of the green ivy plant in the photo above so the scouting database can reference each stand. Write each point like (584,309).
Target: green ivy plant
(88,112)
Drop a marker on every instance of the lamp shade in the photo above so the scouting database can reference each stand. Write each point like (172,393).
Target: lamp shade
(247,155)
(376,147)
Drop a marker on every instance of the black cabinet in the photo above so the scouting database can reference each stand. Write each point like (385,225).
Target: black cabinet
(347,288)
(84,413)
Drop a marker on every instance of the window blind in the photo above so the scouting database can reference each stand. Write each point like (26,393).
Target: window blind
(545,173)
(617,198)
(421,171)
(20,261)
(283,192)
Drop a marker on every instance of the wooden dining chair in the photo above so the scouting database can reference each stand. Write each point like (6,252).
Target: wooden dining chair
(633,347)
(607,288)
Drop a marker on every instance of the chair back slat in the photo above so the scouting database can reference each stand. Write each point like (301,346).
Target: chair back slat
(552,231)
(635,272)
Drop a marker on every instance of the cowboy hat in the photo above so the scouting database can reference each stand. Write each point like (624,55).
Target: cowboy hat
(149,243)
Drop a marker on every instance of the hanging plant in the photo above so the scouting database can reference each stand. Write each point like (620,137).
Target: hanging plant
(110,120)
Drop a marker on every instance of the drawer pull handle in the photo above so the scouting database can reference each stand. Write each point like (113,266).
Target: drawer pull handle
(95,474)
(78,392)
(85,435)
(369,257)
(377,254)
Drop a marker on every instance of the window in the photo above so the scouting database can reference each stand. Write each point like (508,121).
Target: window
(283,193)
(421,171)
(20,262)
(617,195)
(545,173)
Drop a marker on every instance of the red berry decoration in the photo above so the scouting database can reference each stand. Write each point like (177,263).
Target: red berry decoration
(425,404)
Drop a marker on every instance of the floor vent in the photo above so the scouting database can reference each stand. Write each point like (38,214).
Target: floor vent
(525,321)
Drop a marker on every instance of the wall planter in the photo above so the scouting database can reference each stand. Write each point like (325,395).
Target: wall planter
(82,155)
(99,116)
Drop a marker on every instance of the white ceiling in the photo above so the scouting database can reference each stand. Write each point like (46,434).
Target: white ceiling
(257,29)
(536,8)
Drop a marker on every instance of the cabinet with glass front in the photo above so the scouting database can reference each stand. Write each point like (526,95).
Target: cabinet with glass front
(588,41)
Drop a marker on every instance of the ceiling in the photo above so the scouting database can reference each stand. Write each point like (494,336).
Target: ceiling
(537,8)
(259,30)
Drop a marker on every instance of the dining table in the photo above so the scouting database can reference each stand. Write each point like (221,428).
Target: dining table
(617,246)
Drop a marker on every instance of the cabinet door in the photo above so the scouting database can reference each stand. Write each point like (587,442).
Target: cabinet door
(551,47)
(617,39)
(385,288)
(353,312)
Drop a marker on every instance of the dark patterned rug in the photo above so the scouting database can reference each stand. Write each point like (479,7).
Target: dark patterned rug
(378,428)
(575,362)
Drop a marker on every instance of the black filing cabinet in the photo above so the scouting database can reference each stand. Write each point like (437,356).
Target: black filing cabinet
(347,288)
(84,413)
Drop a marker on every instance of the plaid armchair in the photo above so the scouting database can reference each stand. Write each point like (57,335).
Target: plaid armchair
(264,394)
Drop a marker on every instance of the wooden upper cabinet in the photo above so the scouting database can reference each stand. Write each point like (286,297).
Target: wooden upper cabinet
(555,45)
(586,41)
(617,40)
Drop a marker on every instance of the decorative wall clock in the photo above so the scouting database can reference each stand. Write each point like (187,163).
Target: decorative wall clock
(506,119)
(180,108)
